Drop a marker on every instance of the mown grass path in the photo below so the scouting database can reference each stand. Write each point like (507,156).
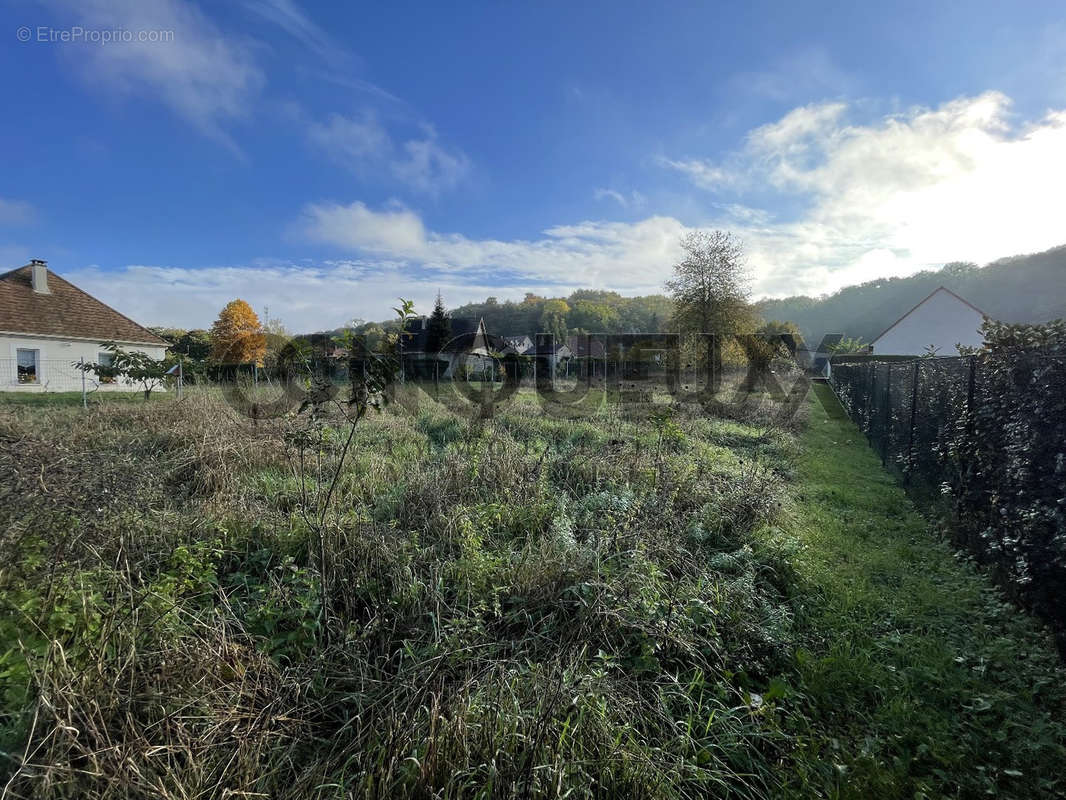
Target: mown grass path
(921,680)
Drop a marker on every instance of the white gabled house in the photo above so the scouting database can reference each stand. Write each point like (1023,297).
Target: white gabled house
(941,321)
(47,324)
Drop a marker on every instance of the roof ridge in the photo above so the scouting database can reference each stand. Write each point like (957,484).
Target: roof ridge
(10,272)
(922,302)
(136,334)
(958,296)
(109,308)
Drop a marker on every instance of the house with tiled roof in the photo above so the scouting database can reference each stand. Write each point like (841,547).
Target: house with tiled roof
(48,325)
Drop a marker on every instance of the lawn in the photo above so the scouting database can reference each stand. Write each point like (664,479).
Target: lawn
(619,602)
(919,679)
(71,399)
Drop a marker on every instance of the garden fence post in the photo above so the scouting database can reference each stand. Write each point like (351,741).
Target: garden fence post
(971,385)
(887,422)
(871,387)
(914,413)
(81,366)
(588,360)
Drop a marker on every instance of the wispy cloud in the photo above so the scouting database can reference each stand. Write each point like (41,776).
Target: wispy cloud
(633,256)
(355,142)
(204,76)
(363,145)
(288,16)
(16,212)
(347,81)
(797,77)
(702,173)
(633,199)
(429,167)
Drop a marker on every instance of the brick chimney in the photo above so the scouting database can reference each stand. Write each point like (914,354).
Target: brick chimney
(39,275)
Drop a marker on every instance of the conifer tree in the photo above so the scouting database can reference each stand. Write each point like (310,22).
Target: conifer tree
(439,327)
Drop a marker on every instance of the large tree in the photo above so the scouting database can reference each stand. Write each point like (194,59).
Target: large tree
(196,344)
(553,319)
(709,288)
(593,317)
(275,335)
(237,337)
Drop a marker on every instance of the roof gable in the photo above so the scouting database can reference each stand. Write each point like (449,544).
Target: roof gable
(927,298)
(66,312)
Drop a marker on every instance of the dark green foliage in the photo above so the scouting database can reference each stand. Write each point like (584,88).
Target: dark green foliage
(439,327)
(1001,461)
(132,366)
(590,311)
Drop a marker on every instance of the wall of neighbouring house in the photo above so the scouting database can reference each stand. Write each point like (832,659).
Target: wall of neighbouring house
(55,361)
(942,321)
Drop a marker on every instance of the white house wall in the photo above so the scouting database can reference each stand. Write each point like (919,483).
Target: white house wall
(942,321)
(56,359)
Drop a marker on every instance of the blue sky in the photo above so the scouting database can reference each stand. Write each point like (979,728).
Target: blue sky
(322,159)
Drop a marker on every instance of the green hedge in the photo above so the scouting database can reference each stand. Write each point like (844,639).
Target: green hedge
(987,431)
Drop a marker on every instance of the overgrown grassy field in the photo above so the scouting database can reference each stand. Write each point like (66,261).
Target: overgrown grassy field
(628,602)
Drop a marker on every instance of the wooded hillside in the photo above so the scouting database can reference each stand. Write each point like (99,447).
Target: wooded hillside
(1029,289)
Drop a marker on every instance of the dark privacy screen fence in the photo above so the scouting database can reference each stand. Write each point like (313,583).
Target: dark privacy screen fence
(988,434)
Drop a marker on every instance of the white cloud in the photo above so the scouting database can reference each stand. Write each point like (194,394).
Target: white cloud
(16,212)
(962,181)
(618,197)
(633,200)
(702,173)
(883,197)
(428,167)
(355,143)
(625,256)
(206,77)
(396,232)
(288,16)
(364,146)
(304,297)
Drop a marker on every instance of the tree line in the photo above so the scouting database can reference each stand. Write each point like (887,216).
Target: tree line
(708,293)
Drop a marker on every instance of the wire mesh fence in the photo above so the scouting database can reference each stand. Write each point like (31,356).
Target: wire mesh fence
(29,373)
(909,409)
(987,434)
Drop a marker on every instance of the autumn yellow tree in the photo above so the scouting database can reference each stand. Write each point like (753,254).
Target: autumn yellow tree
(237,337)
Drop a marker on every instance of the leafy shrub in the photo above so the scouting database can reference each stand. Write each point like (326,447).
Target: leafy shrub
(987,432)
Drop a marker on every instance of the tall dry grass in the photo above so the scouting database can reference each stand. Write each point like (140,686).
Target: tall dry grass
(520,606)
